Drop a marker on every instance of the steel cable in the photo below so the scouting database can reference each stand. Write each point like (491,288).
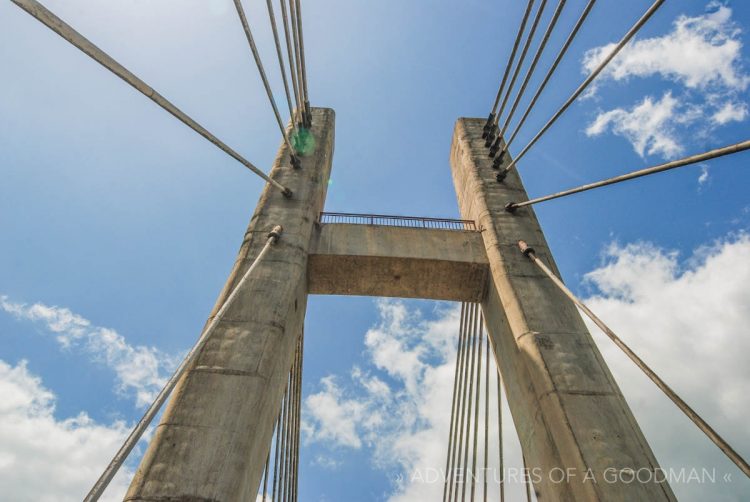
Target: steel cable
(51,21)
(686,161)
(187,362)
(625,39)
(451,442)
(256,56)
(677,400)
(277,42)
(527,77)
(519,65)
(308,113)
(547,77)
(290,59)
(488,131)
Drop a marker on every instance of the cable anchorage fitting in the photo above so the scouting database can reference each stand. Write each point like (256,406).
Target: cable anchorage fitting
(495,146)
(275,233)
(511,207)
(295,161)
(526,249)
(488,126)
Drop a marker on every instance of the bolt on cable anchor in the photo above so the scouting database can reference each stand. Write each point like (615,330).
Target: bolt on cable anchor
(488,126)
(495,146)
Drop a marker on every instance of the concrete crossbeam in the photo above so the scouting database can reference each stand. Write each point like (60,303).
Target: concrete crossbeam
(373,260)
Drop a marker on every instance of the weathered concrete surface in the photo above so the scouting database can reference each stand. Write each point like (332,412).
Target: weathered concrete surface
(212,442)
(567,408)
(373,260)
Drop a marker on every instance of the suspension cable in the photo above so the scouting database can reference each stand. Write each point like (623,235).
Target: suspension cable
(473,335)
(546,79)
(254,49)
(686,161)
(54,23)
(630,34)
(473,471)
(462,362)
(488,127)
(308,115)
(290,58)
(298,59)
(277,448)
(501,467)
(519,64)
(527,77)
(451,444)
(486,412)
(682,405)
(187,362)
(277,42)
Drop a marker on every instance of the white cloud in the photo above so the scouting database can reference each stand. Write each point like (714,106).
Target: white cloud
(730,112)
(699,52)
(648,125)
(687,319)
(703,56)
(704,176)
(404,422)
(45,459)
(139,369)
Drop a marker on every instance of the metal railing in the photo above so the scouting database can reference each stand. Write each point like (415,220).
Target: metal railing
(398,221)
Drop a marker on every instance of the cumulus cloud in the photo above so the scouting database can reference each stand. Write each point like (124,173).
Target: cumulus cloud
(702,56)
(685,316)
(46,459)
(140,370)
(730,112)
(699,52)
(399,405)
(647,126)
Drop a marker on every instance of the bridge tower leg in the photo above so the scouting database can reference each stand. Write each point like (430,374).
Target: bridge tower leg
(212,442)
(571,417)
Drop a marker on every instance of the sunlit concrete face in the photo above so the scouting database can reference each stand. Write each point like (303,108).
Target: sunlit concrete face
(372,260)
(569,412)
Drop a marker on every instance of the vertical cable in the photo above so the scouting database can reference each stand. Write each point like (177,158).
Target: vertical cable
(458,433)
(298,64)
(300,359)
(476,404)
(279,448)
(486,411)
(308,114)
(265,475)
(266,85)
(471,391)
(290,58)
(272,18)
(501,467)
(459,349)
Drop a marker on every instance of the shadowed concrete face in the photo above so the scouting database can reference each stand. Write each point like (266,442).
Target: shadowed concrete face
(373,260)
(567,408)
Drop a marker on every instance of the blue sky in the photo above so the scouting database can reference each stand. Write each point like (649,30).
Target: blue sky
(112,209)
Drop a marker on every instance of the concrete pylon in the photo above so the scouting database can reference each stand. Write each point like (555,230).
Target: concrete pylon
(213,439)
(578,434)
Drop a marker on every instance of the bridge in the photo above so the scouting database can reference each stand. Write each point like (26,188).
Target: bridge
(231,427)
